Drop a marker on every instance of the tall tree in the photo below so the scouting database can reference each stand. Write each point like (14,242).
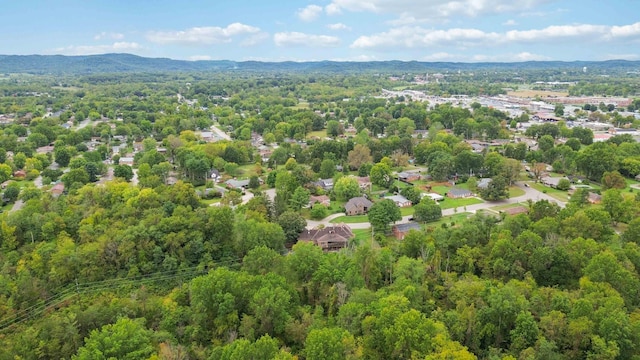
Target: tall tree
(346,187)
(358,156)
(382,213)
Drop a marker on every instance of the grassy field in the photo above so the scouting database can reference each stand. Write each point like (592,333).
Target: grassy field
(407,211)
(554,193)
(301,105)
(456,203)
(456,218)
(353,219)
(515,191)
(210,201)
(320,133)
(361,235)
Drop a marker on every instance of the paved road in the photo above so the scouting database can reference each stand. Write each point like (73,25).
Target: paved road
(530,193)
(220,133)
(83,124)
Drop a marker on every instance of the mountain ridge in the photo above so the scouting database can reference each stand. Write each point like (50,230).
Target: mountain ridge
(128,63)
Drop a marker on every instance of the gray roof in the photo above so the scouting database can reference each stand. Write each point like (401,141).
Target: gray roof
(237,183)
(397,198)
(358,201)
(458,191)
(484,183)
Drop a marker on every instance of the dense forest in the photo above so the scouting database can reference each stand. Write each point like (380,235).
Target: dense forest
(141,262)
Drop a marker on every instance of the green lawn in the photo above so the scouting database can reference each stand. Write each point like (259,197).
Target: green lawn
(246,171)
(442,190)
(507,206)
(301,105)
(354,219)
(554,193)
(515,191)
(320,133)
(456,218)
(407,211)
(210,201)
(456,203)
(361,235)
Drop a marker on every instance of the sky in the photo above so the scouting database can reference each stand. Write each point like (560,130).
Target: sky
(338,30)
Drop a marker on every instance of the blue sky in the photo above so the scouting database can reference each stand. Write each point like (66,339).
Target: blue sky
(343,30)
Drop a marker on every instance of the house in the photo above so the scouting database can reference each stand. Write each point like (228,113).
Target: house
(433,196)
(126,160)
(594,198)
(357,206)
(137,147)
(45,149)
(215,175)
(399,200)
(484,183)
(364,182)
(57,189)
(326,184)
(237,184)
(320,199)
(207,136)
(330,238)
(408,177)
(20,174)
(551,181)
(457,193)
(400,230)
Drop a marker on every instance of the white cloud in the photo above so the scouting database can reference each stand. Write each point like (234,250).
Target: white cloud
(621,57)
(309,13)
(116,47)
(421,10)
(202,35)
(555,32)
(332,9)
(199,57)
(440,56)
(510,22)
(357,58)
(626,30)
(526,56)
(108,35)
(338,26)
(418,37)
(412,37)
(302,39)
(255,39)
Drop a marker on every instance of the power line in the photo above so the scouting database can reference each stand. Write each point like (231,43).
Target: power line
(70,291)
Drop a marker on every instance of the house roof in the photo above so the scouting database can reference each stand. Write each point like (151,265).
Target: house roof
(484,182)
(327,236)
(237,183)
(318,198)
(406,227)
(433,196)
(357,202)
(397,198)
(594,197)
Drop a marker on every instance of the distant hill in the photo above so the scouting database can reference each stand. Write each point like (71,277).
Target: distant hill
(123,63)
